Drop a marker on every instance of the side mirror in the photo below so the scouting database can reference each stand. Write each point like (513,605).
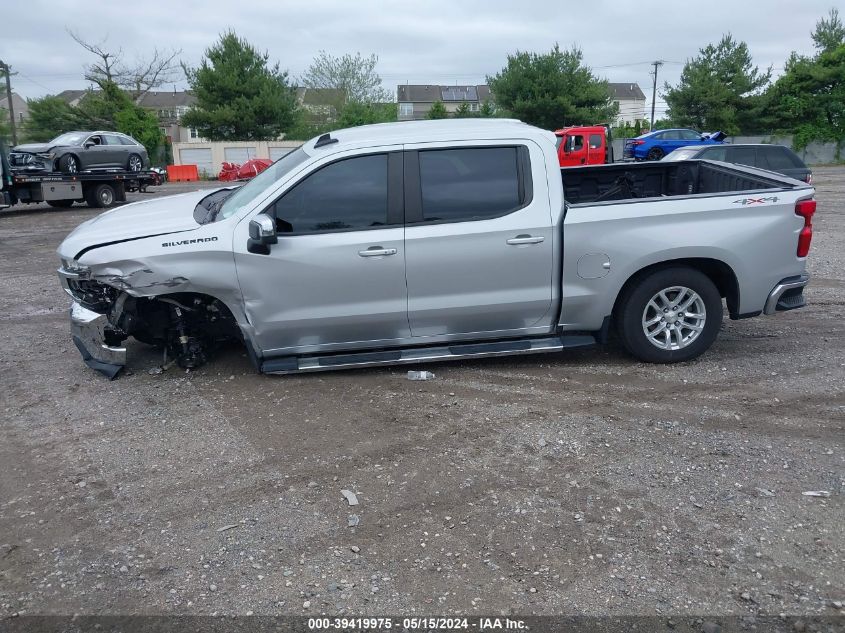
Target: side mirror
(89,145)
(262,233)
(570,144)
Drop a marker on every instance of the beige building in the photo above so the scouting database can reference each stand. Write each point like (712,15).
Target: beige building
(631,101)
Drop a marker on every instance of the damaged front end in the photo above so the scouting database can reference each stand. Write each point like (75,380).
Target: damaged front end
(188,326)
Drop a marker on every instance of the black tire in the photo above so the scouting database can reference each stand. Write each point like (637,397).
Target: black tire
(69,164)
(61,204)
(100,196)
(134,163)
(655,153)
(635,309)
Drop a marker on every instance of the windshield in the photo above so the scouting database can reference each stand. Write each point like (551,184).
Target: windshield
(69,138)
(245,195)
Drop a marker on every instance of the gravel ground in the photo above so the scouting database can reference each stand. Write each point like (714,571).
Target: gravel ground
(578,483)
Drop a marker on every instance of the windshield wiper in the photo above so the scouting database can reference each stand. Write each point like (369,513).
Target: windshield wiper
(213,207)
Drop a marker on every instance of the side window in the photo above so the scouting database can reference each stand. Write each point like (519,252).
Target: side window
(125,140)
(775,158)
(579,143)
(350,194)
(112,139)
(659,136)
(595,141)
(689,135)
(96,140)
(475,183)
(741,155)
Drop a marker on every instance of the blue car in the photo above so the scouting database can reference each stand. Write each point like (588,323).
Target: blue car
(655,145)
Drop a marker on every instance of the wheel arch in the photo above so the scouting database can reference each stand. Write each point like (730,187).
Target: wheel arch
(62,155)
(720,273)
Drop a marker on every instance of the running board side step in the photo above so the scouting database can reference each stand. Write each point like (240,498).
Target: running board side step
(456,351)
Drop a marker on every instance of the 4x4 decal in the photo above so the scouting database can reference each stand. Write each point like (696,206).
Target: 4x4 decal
(747,201)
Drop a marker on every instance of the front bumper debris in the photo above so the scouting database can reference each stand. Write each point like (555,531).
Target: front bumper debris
(88,331)
(787,295)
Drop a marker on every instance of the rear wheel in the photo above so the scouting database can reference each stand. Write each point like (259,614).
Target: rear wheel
(655,153)
(100,196)
(134,163)
(69,164)
(61,204)
(670,316)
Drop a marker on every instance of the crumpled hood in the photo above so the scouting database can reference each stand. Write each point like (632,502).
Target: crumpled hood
(33,148)
(160,216)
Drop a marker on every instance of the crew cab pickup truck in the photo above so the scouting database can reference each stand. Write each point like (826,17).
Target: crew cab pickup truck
(434,240)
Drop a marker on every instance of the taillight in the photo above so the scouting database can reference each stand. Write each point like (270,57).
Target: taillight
(806,209)
(809,179)
(637,141)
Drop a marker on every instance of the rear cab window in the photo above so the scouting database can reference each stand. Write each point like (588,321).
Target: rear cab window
(777,157)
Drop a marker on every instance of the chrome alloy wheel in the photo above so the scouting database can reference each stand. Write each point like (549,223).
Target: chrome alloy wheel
(674,318)
(135,163)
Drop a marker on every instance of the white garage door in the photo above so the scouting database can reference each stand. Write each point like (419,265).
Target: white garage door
(201,157)
(238,155)
(277,152)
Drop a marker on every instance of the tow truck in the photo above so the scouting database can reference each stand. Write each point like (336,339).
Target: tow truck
(580,145)
(98,188)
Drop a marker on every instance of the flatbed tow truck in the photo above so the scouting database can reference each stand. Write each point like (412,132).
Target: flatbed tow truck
(98,188)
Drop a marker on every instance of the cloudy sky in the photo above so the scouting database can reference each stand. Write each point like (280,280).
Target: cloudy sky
(431,41)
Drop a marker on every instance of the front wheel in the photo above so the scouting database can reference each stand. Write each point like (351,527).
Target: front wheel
(670,316)
(69,164)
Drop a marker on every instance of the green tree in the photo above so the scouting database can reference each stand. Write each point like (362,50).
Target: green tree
(239,95)
(809,98)
(829,33)
(48,117)
(437,111)
(551,90)
(487,110)
(720,89)
(463,111)
(353,76)
(356,113)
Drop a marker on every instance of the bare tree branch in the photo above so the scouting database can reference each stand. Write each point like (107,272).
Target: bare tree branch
(138,79)
(104,70)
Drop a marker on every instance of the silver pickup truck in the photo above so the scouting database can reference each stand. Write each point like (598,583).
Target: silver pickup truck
(437,240)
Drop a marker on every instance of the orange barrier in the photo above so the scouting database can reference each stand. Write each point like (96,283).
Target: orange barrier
(180,173)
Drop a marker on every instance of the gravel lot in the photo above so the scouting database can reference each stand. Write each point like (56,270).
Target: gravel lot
(578,483)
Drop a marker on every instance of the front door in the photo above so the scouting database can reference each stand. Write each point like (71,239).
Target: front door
(479,245)
(336,277)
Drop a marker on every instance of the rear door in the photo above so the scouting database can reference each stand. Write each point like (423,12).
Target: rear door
(117,153)
(742,155)
(478,240)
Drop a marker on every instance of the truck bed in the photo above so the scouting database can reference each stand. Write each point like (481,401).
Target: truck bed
(616,182)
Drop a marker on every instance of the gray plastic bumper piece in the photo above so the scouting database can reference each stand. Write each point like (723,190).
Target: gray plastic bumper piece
(88,331)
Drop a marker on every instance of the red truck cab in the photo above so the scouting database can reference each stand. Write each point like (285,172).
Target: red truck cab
(583,145)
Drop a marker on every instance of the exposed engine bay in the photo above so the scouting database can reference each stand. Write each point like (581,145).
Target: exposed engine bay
(188,326)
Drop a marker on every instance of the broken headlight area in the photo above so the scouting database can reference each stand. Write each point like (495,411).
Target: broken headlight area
(94,295)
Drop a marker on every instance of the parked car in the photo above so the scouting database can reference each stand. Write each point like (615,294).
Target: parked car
(75,152)
(772,157)
(584,145)
(655,145)
(435,240)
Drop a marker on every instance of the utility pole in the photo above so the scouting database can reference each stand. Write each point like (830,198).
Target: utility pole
(7,71)
(657,64)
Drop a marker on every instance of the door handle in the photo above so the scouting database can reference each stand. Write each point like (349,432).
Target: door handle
(525,239)
(377,251)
